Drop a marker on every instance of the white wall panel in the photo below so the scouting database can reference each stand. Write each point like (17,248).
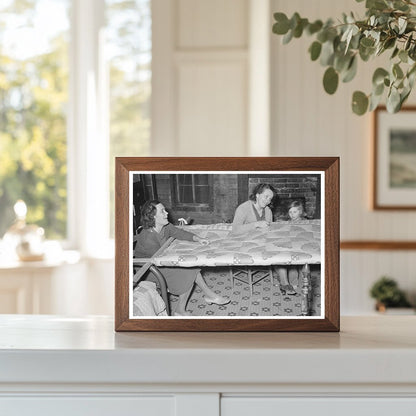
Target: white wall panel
(308,122)
(200,77)
(212,24)
(212,108)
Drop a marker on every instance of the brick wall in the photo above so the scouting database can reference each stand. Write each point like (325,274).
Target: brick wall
(290,187)
(231,189)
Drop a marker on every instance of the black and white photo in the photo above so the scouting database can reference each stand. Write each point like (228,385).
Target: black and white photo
(226,244)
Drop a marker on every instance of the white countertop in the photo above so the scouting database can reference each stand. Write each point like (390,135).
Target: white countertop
(53,349)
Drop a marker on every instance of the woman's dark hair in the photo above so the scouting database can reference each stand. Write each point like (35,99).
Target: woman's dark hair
(259,189)
(148,213)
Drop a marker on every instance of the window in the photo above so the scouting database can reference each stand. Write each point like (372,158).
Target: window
(192,190)
(75,87)
(33,112)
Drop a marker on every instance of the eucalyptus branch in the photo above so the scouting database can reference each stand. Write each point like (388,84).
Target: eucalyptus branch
(389,25)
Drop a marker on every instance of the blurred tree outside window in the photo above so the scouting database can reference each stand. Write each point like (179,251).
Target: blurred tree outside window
(33,100)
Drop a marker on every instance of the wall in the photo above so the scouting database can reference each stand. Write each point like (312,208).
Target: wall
(220,79)
(308,122)
(200,77)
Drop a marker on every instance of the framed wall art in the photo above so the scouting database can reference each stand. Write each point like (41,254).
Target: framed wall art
(227,244)
(394,178)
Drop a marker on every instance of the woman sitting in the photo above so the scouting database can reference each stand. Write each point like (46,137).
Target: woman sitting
(255,214)
(180,281)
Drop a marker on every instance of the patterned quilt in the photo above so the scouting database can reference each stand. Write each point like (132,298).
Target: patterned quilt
(282,243)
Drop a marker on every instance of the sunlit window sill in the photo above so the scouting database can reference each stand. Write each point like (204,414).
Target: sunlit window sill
(56,256)
(64,257)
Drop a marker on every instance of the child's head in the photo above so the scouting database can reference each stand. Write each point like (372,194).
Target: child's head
(296,211)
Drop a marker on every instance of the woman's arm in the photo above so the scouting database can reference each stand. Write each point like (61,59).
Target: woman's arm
(245,228)
(243,223)
(175,232)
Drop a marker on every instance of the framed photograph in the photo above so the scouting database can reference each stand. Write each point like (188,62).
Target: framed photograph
(227,244)
(394,182)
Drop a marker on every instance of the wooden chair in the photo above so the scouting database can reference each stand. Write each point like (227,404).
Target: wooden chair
(147,266)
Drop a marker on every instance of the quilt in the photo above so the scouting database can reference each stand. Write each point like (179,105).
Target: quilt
(284,243)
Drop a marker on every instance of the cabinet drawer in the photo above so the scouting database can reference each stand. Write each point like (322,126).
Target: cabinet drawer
(87,406)
(272,406)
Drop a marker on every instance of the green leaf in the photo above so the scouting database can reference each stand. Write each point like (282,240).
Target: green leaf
(400,5)
(403,56)
(408,42)
(393,101)
(341,61)
(351,71)
(298,30)
(314,27)
(366,53)
(395,52)
(412,52)
(315,50)
(281,26)
(374,101)
(404,95)
(378,89)
(397,71)
(402,24)
(330,80)
(376,4)
(412,70)
(288,37)
(294,20)
(367,42)
(348,34)
(379,75)
(359,103)
(355,41)
(389,43)
(327,53)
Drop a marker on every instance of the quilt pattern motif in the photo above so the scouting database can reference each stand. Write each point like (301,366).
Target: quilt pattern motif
(283,243)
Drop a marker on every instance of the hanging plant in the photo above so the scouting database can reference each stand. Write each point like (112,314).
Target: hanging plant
(388,27)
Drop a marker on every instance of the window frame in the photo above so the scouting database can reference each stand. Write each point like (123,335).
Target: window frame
(190,206)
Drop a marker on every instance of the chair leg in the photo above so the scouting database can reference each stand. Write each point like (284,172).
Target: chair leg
(306,288)
(250,280)
(163,287)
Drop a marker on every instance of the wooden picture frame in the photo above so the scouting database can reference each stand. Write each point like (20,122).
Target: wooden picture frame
(326,169)
(394,158)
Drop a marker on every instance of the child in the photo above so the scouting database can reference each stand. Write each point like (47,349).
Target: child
(295,213)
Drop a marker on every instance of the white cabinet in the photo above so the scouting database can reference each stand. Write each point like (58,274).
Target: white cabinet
(79,366)
(88,406)
(67,286)
(323,406)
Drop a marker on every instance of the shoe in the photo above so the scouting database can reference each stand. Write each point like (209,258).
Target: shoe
(287,290)
(219,300)
(182,314)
